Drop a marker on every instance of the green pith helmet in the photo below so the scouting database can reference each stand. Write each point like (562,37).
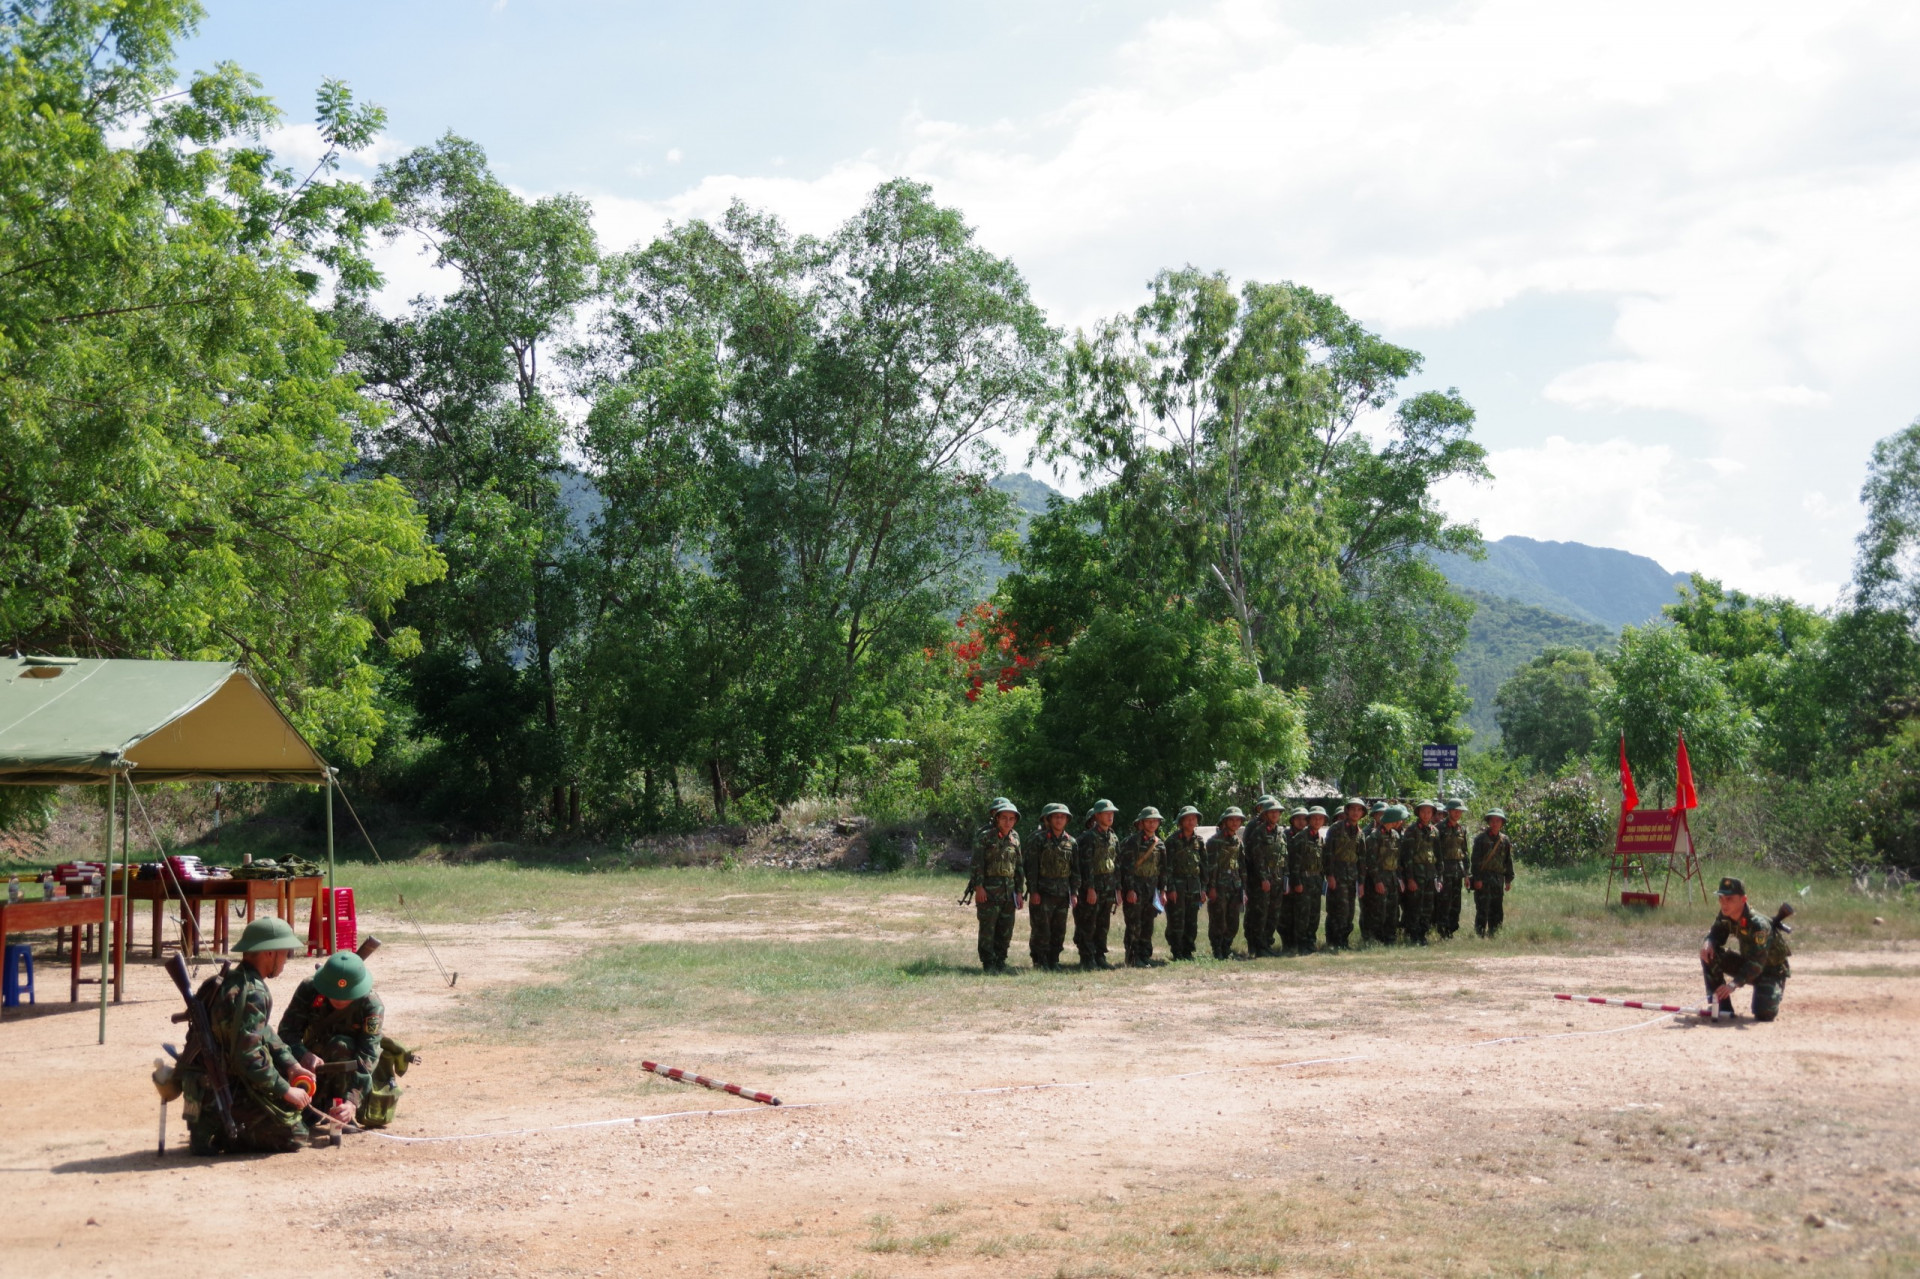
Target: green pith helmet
(1316,811)
(343,976)
(1052,809)
(1001,804)
(1493,813)
(1148,814)
(1434,804)
(267,934)
(1233,812)
(1355,802)
(1379,806)
(1456,806)
(1188,811)
(1102,806)
(1265,802)
(1300,812)
(1393,813)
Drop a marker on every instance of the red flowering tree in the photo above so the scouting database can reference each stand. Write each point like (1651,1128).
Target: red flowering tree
(990,647)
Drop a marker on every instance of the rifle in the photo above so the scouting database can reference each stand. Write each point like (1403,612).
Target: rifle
(201,1047)
(1781,917)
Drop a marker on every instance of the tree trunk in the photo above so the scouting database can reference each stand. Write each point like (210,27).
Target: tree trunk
(719,782)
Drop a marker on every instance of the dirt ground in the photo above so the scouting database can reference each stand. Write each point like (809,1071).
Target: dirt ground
(1318,1116)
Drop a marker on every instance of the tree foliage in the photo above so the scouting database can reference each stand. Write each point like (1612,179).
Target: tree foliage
(1659,688)
(1549,709)
(176,451)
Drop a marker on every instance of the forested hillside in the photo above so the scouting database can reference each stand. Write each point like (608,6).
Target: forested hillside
(1595,584)
(1503,635)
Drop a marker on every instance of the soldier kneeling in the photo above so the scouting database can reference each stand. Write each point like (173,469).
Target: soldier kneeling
(1744,949)
(333,1026)
(270,1088)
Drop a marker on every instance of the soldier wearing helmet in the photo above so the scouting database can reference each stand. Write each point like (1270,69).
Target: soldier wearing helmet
(1492,874)
(1096,884)
(1184,882)
(1263,864)
(1225,890)
(271,1089)
(1140,855)
(1419,872)
(333,1026)
(1049,871)
(1306,881)
(1454,843)
(1340,853)
(997,884)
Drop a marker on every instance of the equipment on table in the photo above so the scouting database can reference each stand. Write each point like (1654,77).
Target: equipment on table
(19,962)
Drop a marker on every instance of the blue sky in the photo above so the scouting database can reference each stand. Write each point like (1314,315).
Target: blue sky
(1669,252)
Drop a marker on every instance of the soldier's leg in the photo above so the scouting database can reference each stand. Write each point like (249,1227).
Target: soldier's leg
(1340,914)
(1059,908)
(1480,912)
(1102,918)
(1082,929)
(1003,931)
(1389,912)
(1306,922)
(1767,994)
(1714,977)
(1496,908)
(1447,912)
(1423,921)
(1231,928)
(983,912)
(1190,920)
(1036,929)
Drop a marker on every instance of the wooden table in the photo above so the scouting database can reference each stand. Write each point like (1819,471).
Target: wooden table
(192,892)
(76,913)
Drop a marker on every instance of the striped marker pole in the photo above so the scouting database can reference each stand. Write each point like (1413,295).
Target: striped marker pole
(1638,1003)
(680,1076)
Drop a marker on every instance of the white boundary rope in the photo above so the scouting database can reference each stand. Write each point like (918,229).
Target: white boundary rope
(821,1105)
(1579,1034)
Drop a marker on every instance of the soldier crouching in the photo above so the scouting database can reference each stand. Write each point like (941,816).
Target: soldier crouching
(271,1090)
(1745,949)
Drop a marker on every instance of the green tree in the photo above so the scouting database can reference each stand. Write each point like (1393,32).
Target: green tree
(1161,710)
(1382,750)
(474,435)
(837,399)
(1887,570)
(1549,708)
(1658,688)
(176,438)
(1220,430)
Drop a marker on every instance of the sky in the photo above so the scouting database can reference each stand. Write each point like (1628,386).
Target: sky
(1668,251)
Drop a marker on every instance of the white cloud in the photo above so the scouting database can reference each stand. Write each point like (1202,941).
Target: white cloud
(1739,179)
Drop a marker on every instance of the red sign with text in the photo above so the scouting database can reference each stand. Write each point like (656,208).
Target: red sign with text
(1657,832)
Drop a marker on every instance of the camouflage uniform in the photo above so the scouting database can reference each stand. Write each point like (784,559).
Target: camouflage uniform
(1340,854)
(1225,892)
(1306,885)
(1140,857)
(1492,876)
(1095,866)
(1263,858)
(1751,950)
(348,1036)
(259,1067)
(997,869)
(1453,869)
(1184,884)
(1049,868)
(1419,866)
(1380,884)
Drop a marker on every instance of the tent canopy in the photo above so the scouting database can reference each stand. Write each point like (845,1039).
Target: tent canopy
(68,720)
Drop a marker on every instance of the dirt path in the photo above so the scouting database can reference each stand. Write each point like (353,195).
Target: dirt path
(1199,1145)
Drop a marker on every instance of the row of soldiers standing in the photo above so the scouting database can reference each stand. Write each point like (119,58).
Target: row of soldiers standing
(1404,872)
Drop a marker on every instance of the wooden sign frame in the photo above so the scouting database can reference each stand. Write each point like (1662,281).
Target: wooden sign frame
(1644,834)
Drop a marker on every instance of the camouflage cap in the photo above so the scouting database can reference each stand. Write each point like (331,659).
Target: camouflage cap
(270,933)
(1233,811)
(1148,814)
(1731,887)
(1102,806)
(1316,811)
(1188,811)
(1055,809)
(1456,806)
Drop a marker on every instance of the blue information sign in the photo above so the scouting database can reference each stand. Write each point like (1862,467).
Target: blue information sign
(1433,757)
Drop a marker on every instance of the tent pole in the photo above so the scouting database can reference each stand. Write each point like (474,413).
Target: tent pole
(106,899)
(333,902)
(126,888)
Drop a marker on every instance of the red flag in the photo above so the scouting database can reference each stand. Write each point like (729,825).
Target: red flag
(1631,797)
(1683,792)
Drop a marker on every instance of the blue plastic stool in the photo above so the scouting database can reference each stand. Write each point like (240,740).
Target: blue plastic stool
(18,958)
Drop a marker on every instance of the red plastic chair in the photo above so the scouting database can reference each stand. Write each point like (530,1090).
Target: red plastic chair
(347,927)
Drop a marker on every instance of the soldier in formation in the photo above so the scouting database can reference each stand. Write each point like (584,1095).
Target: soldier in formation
(1404,880)
(1225,888)
(997,883)
(1096,884)
(1049,874)
(1454,846)
(1492,865)
(1184,882)
(1263,859)
(1140,856)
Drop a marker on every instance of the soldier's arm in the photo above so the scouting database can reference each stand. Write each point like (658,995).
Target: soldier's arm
(366,1044)
(299,1014)
(1029,862)
(1078,876)
(257,1055)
